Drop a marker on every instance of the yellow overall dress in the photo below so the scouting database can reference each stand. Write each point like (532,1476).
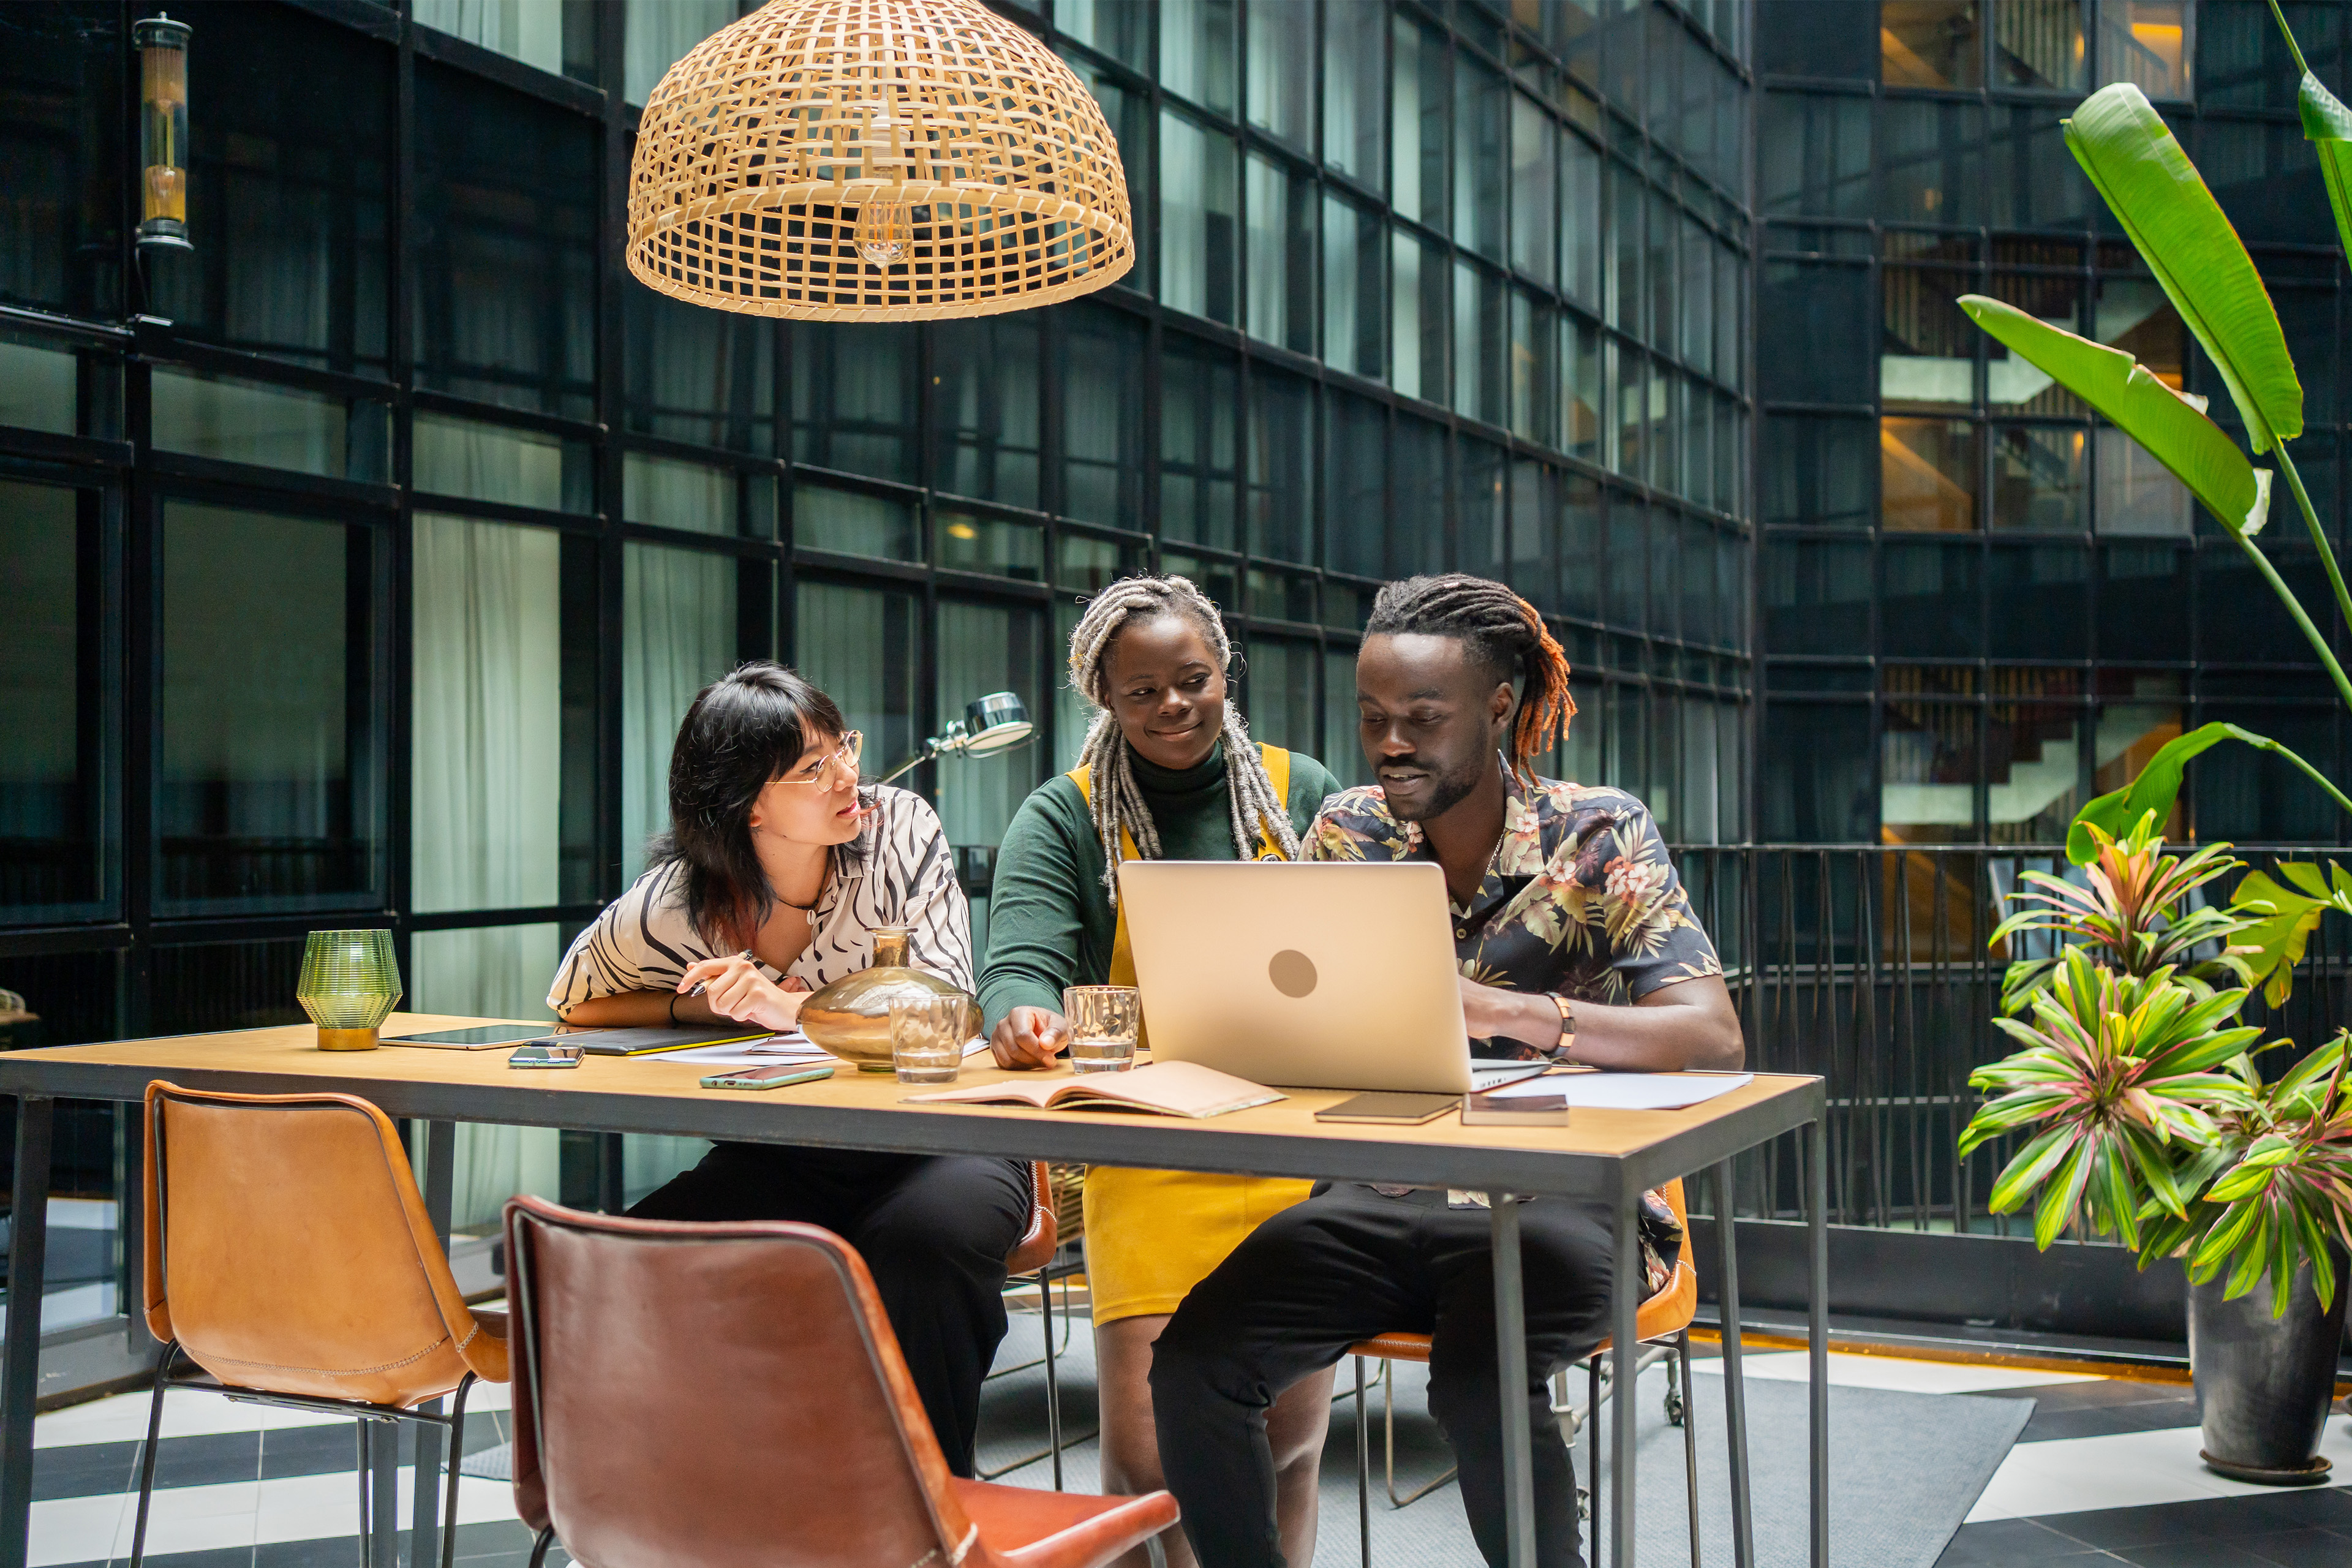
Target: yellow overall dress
(1151,1236)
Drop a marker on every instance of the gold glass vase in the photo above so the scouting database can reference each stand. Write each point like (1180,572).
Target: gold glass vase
(851,1017)
(350,981)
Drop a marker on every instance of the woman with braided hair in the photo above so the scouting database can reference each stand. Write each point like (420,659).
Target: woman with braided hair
(1576,943)
(1168,771)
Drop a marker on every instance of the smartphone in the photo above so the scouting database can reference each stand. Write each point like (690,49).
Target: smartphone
(775,1077)
(542,1056)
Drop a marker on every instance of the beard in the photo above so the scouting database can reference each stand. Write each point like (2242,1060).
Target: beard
(1446,790)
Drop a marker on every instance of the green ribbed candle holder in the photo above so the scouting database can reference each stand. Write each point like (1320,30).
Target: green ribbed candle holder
(350,981)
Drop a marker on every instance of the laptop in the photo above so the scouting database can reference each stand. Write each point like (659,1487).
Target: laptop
(1312,975)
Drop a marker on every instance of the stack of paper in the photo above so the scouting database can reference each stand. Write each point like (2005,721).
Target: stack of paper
(1630,1090)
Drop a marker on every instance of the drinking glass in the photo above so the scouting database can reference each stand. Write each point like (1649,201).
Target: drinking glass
(1103,1022)
(927,1038)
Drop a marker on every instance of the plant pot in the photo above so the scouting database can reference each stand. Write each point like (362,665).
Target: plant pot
(2265,1385)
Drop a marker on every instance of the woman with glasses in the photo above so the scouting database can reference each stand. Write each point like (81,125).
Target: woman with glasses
(775,873)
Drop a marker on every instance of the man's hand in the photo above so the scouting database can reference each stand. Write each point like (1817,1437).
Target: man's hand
(1489,1011)
(1029,1037)
(734,988)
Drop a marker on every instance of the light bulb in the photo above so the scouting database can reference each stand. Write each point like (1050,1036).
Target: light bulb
(886,233)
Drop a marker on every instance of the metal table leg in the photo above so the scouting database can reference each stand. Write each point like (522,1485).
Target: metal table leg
(1817,1329)
(1511,1358)
(1625,1352)
(1735,1387)
(20,1360)
(440,1180)
(384,1491)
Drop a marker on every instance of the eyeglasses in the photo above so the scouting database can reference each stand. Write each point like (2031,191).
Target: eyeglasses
(828,768)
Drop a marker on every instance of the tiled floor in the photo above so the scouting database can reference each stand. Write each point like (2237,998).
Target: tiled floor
(2105,1473)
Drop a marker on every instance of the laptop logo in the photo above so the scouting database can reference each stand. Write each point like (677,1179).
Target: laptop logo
(1292,972)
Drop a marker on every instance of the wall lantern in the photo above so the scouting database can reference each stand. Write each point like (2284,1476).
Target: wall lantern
(876,161)
(163,45)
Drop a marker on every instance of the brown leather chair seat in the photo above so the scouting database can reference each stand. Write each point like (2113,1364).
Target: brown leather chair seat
(289,1254)
(732,1395)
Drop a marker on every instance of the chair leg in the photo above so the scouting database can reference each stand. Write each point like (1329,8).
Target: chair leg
(457,1456)
(1363,1470)
(1053,1374)
(1388,1425)
(1690,1437)
(367,1514)
(147,1456)
(1592,1449)
(538,1548)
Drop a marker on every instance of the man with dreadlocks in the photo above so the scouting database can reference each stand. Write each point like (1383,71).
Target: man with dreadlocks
(1168,771)
(1576,944)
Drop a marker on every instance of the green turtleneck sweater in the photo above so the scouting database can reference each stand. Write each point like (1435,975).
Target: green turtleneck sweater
(1050,922)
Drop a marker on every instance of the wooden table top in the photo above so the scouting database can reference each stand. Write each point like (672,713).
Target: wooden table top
(1593,1155)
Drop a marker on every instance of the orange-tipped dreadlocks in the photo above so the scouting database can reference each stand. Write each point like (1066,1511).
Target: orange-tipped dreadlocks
(1504,632)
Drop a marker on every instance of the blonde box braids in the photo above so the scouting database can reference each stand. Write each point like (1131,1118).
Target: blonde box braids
(1115,799)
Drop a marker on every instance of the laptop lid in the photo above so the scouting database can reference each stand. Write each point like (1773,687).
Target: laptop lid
(1316,974)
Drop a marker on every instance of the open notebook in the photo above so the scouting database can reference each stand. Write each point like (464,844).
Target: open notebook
(1169,1089)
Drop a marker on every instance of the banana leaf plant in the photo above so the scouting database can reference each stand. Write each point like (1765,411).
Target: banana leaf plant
(2129,911)
(2170,216)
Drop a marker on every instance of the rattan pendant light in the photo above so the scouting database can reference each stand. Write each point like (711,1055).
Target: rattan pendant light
(876,161)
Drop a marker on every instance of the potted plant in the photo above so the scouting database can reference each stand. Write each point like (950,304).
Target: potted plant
(2174,1142)
(2149,1122)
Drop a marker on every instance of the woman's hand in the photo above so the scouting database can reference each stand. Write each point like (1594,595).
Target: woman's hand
(734,988)
(1029,1037)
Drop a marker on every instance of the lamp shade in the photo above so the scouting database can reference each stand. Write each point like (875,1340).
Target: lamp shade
(349,982)
(876,161)
(994,723)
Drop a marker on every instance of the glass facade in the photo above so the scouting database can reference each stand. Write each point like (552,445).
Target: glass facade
(1979,605)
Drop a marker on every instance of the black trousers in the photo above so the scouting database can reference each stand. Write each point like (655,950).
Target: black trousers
(934,1231)
(1347,1263)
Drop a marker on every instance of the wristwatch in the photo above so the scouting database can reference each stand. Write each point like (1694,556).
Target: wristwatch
(1566,1023)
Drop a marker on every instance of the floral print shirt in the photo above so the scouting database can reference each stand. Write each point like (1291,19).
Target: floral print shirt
(1580,900)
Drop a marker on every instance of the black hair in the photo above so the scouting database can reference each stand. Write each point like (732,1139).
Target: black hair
(743,729)
(1503,632)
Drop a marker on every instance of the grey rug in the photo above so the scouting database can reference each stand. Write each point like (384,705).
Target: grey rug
(1904,1469)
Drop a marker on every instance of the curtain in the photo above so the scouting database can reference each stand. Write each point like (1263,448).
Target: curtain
(491,971)
(660,34)
(484,789)
(678,636)
(859,645)
(531,31)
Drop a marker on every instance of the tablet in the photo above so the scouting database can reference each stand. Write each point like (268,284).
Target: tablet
(481,1036)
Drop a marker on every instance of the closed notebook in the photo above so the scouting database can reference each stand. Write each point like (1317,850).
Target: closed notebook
(1168,1088)
(642,1042)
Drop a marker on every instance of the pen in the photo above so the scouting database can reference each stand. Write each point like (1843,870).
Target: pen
(702,985)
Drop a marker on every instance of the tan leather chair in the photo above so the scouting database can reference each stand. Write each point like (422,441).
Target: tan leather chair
(732,1395)
(289,1257)
(1664,1319)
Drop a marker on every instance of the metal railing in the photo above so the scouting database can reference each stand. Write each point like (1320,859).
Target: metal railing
(1870,965)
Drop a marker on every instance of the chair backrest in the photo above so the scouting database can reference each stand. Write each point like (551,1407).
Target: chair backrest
(287,1250)
(725,1394)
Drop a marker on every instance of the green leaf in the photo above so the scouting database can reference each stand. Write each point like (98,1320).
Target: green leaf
(2328,126)
(2033,1165)
(2147,180)
(2156,788)
(2062,1197)
(2174,429)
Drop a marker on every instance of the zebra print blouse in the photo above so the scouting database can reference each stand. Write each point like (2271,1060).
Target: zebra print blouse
(902,874)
